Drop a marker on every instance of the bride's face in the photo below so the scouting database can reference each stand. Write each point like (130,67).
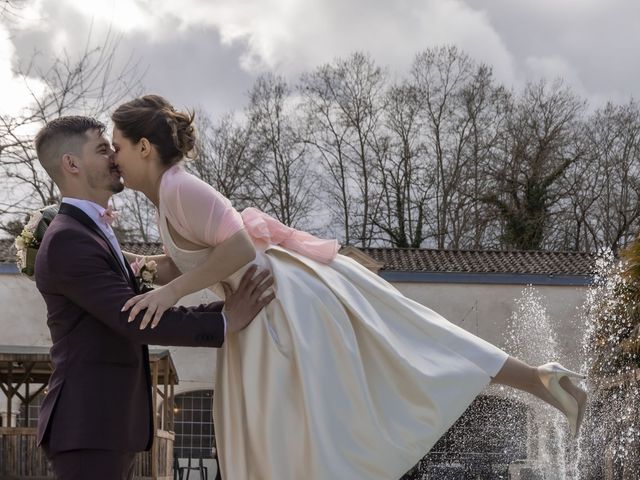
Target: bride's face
(128,159)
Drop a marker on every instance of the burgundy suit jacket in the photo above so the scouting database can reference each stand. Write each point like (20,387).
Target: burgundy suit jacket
(99,394)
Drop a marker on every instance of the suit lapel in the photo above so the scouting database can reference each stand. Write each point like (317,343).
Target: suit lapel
(83,218)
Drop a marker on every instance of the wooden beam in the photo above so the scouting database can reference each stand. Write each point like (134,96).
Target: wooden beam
(26,404)
(10,395)
(160,392)
(12,387)
(154,400)
(172,413)
(165,413)
(19,395)
(36,393)
(27,373)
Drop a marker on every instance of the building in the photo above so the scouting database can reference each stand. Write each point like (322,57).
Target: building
(476,290)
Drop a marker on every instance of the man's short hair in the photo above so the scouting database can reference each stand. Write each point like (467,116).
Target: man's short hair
(60,136)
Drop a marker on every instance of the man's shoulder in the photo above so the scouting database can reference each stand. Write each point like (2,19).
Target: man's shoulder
(67,235)
(67,246)
(63,228)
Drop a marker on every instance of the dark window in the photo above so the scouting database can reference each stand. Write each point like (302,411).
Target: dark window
(33,409)
(194,424)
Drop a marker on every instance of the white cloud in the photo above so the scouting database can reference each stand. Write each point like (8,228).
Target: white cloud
(552,67)
(15,92)
(592,42)
(293,35)
(207,52)
(124,15)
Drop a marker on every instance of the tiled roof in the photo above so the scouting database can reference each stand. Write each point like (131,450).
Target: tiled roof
(483,261)
(431,260)
(143,248)
(8,252)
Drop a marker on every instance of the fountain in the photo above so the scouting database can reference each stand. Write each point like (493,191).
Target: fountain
(608,448)
(609,445)
(507,434)
(531,338)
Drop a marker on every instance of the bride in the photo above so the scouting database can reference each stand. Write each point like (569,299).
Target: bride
(341,376)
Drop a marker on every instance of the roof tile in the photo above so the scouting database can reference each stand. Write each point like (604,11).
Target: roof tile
(431,260)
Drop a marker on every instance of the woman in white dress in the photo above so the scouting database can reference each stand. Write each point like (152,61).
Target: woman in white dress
(341,376)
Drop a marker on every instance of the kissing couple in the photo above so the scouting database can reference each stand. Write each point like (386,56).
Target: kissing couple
(324,370)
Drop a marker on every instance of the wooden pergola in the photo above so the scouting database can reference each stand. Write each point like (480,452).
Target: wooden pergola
(24,374)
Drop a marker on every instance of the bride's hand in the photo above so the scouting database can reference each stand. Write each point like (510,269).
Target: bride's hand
(156,302)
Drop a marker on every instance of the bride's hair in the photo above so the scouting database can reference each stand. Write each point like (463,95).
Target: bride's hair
(155,119)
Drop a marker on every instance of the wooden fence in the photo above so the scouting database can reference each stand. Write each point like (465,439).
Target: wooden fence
(21,458)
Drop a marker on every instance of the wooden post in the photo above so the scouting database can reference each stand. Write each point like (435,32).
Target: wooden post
(172,404)
(10,394)
(165,405)
(27,402)
(154,402)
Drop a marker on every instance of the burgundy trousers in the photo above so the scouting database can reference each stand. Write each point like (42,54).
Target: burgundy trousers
(92,464)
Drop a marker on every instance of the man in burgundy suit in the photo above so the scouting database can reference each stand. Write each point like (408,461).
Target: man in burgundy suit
(97,413)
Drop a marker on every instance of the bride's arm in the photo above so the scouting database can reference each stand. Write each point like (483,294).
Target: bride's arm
(167,270)
(205,217)
(225,259)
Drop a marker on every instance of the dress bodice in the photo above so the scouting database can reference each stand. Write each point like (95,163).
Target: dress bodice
(187,260)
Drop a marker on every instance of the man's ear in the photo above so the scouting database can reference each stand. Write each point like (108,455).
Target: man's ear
(70,163)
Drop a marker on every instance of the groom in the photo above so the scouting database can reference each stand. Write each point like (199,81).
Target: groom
(97,412)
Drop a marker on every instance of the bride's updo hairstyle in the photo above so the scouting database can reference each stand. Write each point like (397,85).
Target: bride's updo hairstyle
(153,118)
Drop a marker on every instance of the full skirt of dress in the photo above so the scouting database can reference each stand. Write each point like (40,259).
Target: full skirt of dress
(340,377)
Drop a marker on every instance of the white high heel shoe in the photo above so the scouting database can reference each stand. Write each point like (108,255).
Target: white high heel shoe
(550,375)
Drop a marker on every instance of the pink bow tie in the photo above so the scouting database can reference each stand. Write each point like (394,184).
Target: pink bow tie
(108,215)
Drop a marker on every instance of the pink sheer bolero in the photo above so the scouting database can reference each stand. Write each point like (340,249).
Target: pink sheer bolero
(202,215)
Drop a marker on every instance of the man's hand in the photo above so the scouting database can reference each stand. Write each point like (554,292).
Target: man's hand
(241,306)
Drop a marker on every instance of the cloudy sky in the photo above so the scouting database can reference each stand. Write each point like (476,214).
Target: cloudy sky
(208,52)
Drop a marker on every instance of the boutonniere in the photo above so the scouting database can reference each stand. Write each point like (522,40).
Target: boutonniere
(29,240)
(145,271)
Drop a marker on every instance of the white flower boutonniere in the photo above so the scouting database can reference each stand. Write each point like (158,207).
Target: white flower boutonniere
(145,271)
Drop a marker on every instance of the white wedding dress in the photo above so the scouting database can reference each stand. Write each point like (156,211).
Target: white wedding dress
(340,377)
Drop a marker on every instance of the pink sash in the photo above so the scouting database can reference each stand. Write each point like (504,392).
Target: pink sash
(268,230)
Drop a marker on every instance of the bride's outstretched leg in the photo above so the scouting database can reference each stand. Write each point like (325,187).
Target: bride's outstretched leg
(518,374)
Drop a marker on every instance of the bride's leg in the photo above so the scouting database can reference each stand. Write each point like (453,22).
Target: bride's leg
(518,374)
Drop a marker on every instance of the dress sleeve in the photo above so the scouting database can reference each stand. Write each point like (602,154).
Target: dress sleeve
(198,211)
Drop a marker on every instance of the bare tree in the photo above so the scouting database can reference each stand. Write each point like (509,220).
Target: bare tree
(404,179)
(441,74)
(283,179)
(445,157)
(224,158)
(88,85)
(10,9)
(485,105)
(326,134)
(344,106)
(606,194)
(137,220)
(542,140)
(439,128)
